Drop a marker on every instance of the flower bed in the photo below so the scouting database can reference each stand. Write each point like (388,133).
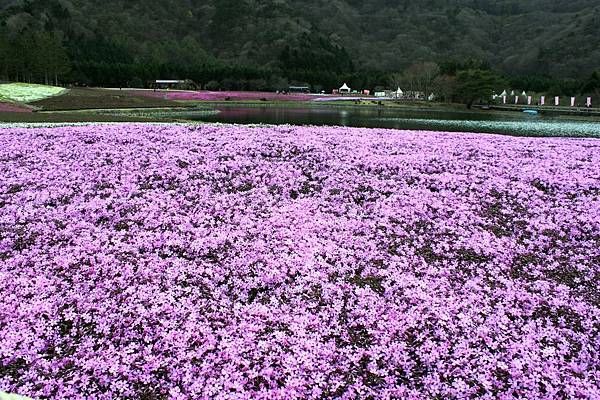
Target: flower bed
(26,92)
(230,95)
(212,261)
(9,107)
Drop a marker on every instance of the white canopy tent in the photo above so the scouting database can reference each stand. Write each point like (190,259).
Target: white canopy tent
(398,93)
(344,89)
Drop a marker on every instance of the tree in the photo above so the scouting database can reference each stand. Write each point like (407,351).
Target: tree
(225,24)
(315,53)
(592,84)
(52,56)
(565,87)
(476,84)
(418,77)
(4,55)
(444,87)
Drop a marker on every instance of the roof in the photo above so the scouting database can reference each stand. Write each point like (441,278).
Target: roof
(169,81)
(344,87)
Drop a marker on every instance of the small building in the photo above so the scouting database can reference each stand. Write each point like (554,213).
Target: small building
(380,94)
(186,84)
(299,89)
(345,89)
(414,95)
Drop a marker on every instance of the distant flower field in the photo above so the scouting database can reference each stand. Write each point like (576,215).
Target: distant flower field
(26,92)
(10,107)
(230,95)
(215,261)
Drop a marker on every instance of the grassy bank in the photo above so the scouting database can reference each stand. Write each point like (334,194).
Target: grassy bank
(92,98)
(69,117)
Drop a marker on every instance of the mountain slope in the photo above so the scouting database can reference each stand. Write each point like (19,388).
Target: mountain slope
(527,36)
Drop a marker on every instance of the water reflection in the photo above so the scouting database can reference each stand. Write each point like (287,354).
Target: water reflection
(422,119)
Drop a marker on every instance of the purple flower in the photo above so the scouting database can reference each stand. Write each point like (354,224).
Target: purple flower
(217,261)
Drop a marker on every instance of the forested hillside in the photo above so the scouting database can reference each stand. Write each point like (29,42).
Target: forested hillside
(269,42)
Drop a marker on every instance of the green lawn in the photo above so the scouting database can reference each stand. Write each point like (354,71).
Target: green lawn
(27,92)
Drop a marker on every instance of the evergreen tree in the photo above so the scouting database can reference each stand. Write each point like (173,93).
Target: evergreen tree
(592,84)
(476,85)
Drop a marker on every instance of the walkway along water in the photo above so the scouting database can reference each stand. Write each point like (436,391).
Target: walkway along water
(562,110)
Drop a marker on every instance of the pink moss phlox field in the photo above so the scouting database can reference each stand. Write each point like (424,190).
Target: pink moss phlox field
(231,95)
(10,107)
(215,261)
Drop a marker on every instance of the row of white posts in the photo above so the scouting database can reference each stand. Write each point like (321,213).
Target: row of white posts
(588,102)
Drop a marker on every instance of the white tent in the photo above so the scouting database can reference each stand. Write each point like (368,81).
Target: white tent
(431,97)
(524,94)
(512,93)
(398,93)
(504,94)
(344,89)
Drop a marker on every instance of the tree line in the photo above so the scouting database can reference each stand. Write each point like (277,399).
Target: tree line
(471,81)
(42,56)
(33,56)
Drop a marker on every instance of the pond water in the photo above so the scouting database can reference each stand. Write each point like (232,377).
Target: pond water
(381,117)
